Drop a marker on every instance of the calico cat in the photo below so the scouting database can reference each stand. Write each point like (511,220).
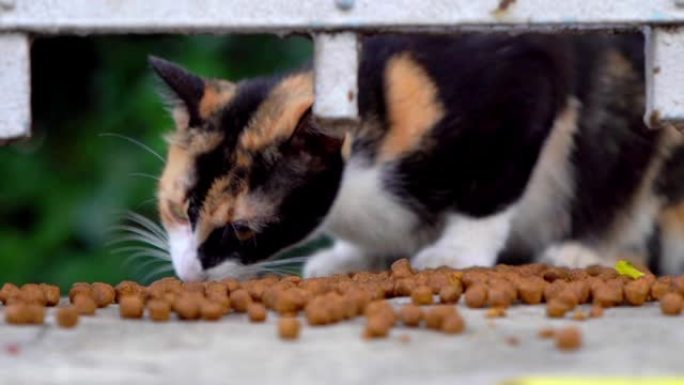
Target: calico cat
(471,149)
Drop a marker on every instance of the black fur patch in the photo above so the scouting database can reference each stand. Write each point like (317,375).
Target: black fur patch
(187,87)
(612,147)
(234,118)
(502,93)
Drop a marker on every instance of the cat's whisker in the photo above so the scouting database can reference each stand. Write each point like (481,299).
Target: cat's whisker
(145,202)
(289,261)
(130,249)
(142,234)
(145,257)
(134,141)
(151,254)
(142,266)
(147,223)
(144,175)
(140,231)
(136,238)
(156,273)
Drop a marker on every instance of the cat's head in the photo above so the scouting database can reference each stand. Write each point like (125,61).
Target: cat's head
(247,174)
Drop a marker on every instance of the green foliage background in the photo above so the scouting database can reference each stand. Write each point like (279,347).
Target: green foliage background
(62,191)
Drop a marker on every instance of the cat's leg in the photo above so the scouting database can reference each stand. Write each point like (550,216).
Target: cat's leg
(573,254)
(467,241)
(342,257)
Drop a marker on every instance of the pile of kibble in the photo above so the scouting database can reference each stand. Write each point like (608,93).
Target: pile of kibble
(326,301)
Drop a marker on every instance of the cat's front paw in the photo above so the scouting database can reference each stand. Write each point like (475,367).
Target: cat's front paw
(341,259)
(439,255)
(573,255)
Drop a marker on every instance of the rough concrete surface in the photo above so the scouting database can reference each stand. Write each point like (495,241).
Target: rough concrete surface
(107,350)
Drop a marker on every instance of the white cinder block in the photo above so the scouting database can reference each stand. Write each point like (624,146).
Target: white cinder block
(336,65)
(665,76)
(15,87)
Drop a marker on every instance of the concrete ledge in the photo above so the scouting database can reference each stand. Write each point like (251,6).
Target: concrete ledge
(106,350)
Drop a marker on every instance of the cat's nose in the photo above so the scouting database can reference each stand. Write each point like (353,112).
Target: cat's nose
(184,255)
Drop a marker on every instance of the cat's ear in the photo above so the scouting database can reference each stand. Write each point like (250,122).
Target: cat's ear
(186,89)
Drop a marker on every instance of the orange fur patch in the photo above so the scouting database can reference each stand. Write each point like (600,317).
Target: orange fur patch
(217,93)
(412,104)
(173,184)
(278,116)
(347,145)
(672,219)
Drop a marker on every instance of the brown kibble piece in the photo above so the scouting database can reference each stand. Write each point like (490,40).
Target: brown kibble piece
(84,304)
(608,295)
(67,317)
(128,288)
(239,300)
(497,297)
(211,311)
(568,297)
(17,314)
(596,311)
(568,339)
(671,304)
(316,313)
(79,288)
(496,312)
(158,310)
(131,306)
(422,295)
(33,294)
(530,292)
(661,287)
(401,269)
(377,326)
(636,292)
(476,296)
(556,308)
(52,294)
(8,290)
(288,328)
(411,315)
(256,312)
(187,307)
(450,293)
(435,316)
(579,315)
(546,333)
(453,324)
(103,294)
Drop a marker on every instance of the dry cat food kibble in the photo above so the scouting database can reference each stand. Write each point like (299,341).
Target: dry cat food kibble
(67,317)
(131,306)
(158,310)
(411,315)
(583,293)
(671,304)
(422,295)
(256,312)
(568,338)
(288,328)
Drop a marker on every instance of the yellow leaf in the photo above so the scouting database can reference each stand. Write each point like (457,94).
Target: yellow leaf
(624,267)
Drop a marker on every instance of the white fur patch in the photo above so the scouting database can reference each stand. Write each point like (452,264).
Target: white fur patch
(183,250)
(343,257)
(573,255)
(367,215)
(467,241)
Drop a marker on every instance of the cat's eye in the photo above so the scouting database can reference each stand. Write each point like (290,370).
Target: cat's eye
(242,231)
